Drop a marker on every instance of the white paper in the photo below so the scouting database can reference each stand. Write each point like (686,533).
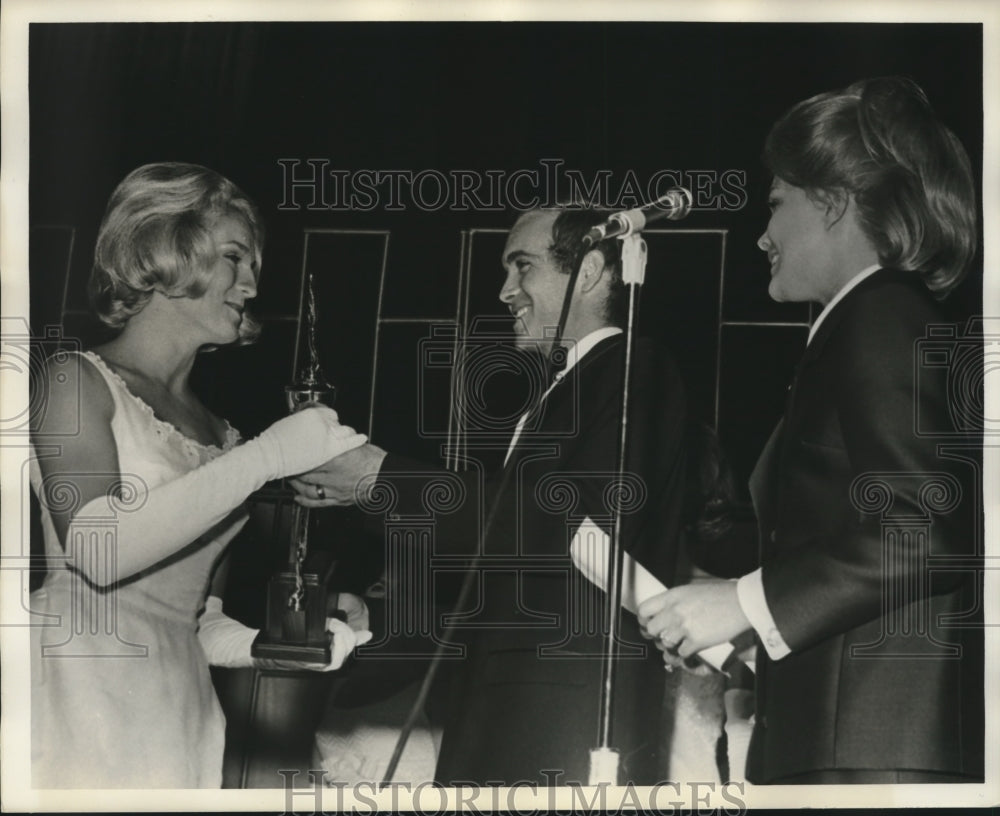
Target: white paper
(590,549)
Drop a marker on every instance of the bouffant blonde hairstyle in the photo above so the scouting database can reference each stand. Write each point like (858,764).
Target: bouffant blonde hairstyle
(156,237)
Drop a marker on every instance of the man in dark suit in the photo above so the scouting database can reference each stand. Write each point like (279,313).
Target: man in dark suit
(526,702)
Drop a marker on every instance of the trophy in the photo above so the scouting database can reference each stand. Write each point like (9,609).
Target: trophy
(297,600)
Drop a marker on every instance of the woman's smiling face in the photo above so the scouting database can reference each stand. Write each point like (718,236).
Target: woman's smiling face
(797,243)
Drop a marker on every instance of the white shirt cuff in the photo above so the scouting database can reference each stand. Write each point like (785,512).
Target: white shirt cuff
(750,594)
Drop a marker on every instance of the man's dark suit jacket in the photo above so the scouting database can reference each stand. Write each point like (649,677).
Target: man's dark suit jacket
(526,703)
(858,513)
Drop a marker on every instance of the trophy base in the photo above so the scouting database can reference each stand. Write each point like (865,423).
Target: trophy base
(264,647)
(292,634)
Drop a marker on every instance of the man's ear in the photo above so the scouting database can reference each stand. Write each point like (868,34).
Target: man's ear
(592,269)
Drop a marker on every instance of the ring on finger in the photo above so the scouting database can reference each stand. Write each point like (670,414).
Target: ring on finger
(320,492)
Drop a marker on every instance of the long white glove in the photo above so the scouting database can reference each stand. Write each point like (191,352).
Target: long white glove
(227,642)
(158,522)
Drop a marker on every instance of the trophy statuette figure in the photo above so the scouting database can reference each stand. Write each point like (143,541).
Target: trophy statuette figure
(297,598)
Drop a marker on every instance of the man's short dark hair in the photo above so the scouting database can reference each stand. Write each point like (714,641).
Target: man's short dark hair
(567,250)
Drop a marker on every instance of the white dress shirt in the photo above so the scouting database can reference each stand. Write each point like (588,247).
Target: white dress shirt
(573,355)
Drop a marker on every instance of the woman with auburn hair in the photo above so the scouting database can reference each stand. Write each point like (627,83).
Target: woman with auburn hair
(859,677)
(142,488)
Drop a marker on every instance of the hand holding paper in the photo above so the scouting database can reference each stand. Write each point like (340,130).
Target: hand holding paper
(590,550)
(694,617)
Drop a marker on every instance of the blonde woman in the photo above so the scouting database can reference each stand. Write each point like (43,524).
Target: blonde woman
(139,505)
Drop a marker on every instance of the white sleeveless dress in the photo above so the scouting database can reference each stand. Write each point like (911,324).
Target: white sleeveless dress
(121,695)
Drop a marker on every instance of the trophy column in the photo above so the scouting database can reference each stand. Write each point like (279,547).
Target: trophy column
(297,598)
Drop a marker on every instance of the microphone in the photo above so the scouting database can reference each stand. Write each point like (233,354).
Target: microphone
(672,205)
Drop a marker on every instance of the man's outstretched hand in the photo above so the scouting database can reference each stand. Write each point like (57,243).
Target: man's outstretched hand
(336,483)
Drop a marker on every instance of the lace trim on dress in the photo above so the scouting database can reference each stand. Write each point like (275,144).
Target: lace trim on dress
(162,426)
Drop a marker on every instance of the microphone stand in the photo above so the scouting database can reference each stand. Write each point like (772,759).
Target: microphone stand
(557,359)
(604,759)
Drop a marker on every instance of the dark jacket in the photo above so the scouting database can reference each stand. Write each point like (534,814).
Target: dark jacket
(869,536)
(526,699)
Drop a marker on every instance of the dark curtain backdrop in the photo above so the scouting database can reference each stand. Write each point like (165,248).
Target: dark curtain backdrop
(640,97)
(483,98)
